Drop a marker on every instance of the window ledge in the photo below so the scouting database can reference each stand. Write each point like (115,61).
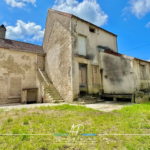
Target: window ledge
(82,56)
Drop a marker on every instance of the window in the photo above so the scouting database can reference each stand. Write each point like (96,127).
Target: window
(142,71)
(91,29)
(95,75)
(82,45)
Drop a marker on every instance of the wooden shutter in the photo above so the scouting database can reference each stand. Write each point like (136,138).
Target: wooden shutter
(83,76)
(95,72)
(80,76)
(94,75)
(82,45)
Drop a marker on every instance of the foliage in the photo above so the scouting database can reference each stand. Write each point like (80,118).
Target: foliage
(35,128)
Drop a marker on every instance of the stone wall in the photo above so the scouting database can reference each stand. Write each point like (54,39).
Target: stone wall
(53,16)
(59,60)
(17,71)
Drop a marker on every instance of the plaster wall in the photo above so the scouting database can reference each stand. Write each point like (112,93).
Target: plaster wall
(100,37)
(93,40)
(118,74)
(142,84)
(17,71)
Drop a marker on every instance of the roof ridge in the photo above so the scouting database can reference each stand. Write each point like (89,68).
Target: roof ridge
(21,42)
(61,12)
(72,15)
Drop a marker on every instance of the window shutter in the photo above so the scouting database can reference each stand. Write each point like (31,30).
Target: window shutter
(82,45)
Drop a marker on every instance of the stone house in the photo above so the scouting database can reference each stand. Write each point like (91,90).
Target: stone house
(77,58)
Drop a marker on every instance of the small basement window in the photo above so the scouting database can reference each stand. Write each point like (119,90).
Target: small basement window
(91,29)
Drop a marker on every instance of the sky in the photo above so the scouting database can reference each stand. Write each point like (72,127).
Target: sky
(129,19)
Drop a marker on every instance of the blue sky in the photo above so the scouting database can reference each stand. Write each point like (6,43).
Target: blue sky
(129,19)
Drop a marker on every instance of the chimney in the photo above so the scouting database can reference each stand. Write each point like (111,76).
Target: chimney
(2,31)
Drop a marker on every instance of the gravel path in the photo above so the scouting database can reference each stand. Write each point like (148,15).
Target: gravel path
(103,106)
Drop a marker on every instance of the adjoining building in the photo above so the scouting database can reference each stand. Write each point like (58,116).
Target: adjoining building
(77,59)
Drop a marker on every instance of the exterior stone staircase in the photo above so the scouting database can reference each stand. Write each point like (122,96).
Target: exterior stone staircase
(51,95)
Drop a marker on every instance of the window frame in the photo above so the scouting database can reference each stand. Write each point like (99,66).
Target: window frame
(92,30)
(81,52)
(142,71)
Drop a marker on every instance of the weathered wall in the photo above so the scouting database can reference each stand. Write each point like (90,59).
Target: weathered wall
(59,60)
(142,84)
(100,37)
(41,62)
(91,89)
(17,71)
(52,16)
(142,94)
(118,75)
(93,40)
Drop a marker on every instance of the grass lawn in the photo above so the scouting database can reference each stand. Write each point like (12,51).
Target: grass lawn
(133,119)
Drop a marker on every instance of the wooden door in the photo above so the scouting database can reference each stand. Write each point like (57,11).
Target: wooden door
(82,75)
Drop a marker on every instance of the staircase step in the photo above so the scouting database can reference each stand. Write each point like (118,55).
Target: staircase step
(52,92)
(51,88)
(54,97)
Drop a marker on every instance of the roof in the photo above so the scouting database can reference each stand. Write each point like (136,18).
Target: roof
(20,46)
(142,60)
(108,51)
(71,15)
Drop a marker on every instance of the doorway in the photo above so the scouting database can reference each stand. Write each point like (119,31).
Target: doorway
(83,77)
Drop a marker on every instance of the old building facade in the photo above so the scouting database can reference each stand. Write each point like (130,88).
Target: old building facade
(77,58)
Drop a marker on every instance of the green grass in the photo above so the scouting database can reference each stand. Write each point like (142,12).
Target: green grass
(133,119)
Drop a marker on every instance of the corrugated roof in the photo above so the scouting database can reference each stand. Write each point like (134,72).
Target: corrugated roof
(21,46)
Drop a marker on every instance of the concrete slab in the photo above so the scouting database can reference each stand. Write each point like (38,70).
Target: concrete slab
(108,106)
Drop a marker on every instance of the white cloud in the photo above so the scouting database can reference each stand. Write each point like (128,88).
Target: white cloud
(139,7)
(25,31)
(89,10)
(5,23)
(19,3)
(148,25)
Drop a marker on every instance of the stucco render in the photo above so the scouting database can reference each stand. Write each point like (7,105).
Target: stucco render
(17,72)
(118,76)
(93,40)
